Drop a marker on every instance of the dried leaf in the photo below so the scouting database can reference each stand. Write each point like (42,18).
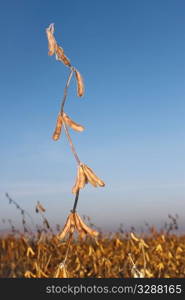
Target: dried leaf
(71,123)
(80,84)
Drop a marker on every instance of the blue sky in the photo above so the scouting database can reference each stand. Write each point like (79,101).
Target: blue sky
(132,57)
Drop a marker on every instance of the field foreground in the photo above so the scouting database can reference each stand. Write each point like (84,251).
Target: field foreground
(119,255)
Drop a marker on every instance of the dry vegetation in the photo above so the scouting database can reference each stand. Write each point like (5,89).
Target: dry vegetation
(42,254)
(104,257)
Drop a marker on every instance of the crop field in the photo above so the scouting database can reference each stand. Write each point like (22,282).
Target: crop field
(125,255)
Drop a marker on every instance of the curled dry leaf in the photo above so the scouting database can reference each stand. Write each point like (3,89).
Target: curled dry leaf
(71,123)
(58,128)
(80,84)
(75,222)
(51,40)
(60,55)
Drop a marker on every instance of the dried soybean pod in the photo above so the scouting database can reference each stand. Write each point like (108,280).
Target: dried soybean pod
(61,271)
(80,84)
(86,228)
(89,177)
(61,56)
(58,128)
(94,176)
(51,40)
(72,227)
(76,186)
(81,231)
(66,60)
(66,228)
(71,123)
(82,178)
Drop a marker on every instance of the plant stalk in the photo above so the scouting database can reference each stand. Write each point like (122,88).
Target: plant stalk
(65,90)
(71,144)
(76,201)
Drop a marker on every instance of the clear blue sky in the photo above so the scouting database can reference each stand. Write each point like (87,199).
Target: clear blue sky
(132,57)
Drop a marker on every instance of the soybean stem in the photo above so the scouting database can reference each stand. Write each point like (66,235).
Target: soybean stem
(76,201)
(65,89)
(71,144)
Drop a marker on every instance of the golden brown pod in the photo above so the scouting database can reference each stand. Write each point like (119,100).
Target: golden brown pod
(80,230)
(71,123)
(82,178)
(90,174)
(86,228)
(80,84)
(66,228)
(61,56)
(134,237)
(51,40)
(73,225)
(76,186)
(58,128)
(61,271)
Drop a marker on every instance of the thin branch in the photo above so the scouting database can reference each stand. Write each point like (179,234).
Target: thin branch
(68,246)
(76,201)
(66,88)
(143,251)
(71,143)
(23,211)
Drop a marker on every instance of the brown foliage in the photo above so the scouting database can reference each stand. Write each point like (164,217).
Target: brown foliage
(103,257)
